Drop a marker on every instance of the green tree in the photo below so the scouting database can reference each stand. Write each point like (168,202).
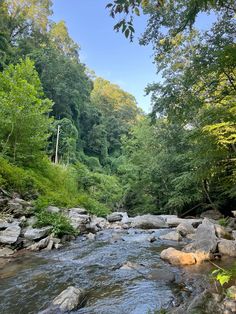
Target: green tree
(24,121)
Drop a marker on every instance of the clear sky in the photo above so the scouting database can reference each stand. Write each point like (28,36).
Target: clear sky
(106,52)
(103,50)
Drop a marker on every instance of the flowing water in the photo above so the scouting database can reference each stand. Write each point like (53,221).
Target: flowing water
(31,281)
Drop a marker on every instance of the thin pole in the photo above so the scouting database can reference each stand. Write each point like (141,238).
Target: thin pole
(57,143)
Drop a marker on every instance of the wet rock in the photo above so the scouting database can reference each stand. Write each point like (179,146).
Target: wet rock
(231,292)
(222,232)
(161,275)
(42,244)
(204,303)
(37,233)
(6,252)
(172,236)
(69,299)
(205,242)
(212,214)
(90,236)
(176,257)
(57,246)
(131,265)
(185,228)
(10,234)
(227,247)
(148,222)
(114,217)
(53,209)
(152,239)
(97,224)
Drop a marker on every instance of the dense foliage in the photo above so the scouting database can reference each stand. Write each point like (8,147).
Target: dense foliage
(110,155)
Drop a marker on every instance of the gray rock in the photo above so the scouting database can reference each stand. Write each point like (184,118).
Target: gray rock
(131,266)
(10,234)
(50,245)
(32,221)
(223,232)
(114,217)
(3,224)
(78,221)
(53,209)
(204,303)
(79,210)
(231,292)
(212,214)
(42,244)
(172,236)
(69,299)
(6,252)
(21,201)
(227,247)
(174,221)
(161,275)
(205,240)
(148,222)
(14,206)
(58,246)
(37,233)
(185,228)
(90,236)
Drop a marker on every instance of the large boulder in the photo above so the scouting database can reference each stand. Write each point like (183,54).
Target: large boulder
(37,233)
(212,214)
(176,257)
(114,217)
(227,247)
(11,234)
(78,221)
(148,222)
(172,236)
(185,228)
(69,299)
(174,221)
(97,224)
(205,240)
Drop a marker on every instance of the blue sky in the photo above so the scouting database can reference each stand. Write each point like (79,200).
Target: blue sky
(106,52)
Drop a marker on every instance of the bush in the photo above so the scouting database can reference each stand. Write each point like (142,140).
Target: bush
(61,225)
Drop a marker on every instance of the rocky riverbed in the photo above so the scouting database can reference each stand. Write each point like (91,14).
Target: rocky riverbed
(117,265)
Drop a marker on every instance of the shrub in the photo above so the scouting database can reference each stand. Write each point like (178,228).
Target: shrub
(61,225)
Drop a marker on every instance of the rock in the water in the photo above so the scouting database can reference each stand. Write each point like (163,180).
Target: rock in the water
(148,222)
(152,239)
(176,257)
(6,252)
(42,244)
(205,240)
(204,303)
(131,266)
(69,299)
(212,214)
(224,233)
(227,247)
(90,236)
(37,233)
(173,236)
(53,209)
(161,275)
(185,228)
(10,234)
(114,217)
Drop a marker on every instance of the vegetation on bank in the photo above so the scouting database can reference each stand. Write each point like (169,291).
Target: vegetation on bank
(180,158)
